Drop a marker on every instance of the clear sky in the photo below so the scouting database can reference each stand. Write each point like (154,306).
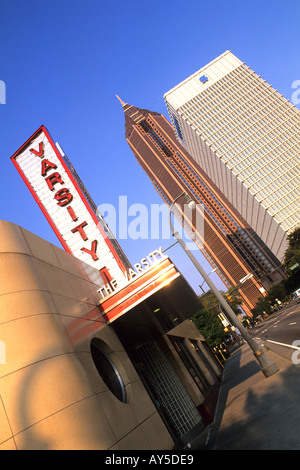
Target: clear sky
(64,61)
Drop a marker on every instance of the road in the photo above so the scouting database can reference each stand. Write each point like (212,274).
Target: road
(279,331)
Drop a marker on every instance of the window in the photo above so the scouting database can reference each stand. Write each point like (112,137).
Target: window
(176,123)
(106,367)
(203,78)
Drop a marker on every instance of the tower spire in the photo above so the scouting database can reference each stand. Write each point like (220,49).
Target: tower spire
(121,101)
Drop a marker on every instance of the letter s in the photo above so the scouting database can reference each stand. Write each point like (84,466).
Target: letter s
(63,196)
(145,262)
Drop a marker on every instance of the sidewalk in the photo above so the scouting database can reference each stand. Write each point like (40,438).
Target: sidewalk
(254,412)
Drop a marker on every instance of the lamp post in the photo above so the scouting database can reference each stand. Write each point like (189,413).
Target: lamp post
(268,367)
(213,271)
(220,313)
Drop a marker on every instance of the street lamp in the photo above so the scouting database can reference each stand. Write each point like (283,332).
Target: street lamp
(213,271)
(267,366)
(220,313)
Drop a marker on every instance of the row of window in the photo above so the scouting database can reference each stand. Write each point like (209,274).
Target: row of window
(291,220)
(231,221)
(217,95)
(254,128)
(236,80)
(281,151)
(281,205)
(278,167)
(259,134)
(222,97)
(218,107)
(289,192)
(160,141)
(263,162)
(255,124)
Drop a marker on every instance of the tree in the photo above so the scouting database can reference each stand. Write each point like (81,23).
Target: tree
(292,261)
(276,291)
(282,289)
(292,254)
(262,306)
(207,320)
(210,327)
(232,297)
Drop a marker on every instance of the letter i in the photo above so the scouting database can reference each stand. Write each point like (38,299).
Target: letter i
(72,213)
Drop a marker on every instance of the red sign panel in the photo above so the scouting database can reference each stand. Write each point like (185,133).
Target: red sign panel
(138,289)
(66,208)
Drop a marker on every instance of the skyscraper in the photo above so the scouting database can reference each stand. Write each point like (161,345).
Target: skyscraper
(229,243)
(245,136)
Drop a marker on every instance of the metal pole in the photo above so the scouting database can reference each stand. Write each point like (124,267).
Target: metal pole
(268,367)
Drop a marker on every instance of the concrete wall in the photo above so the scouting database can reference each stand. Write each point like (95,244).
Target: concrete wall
(51,395)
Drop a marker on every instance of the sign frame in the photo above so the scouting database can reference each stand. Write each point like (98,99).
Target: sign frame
(42,130)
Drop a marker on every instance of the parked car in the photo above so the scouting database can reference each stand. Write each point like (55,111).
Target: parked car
(296,295)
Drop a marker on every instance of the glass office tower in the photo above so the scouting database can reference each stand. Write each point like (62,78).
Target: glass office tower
(245,136)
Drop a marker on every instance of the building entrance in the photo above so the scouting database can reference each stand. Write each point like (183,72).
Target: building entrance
(168,393)
(144,332)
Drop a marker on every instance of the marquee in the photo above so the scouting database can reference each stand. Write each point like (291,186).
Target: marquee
(63,203)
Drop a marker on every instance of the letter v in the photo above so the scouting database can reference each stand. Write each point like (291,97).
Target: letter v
(40,152)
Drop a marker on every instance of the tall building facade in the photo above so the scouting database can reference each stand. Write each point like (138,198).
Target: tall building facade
(227,241)
(245,136)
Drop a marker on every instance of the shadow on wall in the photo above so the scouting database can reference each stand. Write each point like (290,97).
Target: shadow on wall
(43,394)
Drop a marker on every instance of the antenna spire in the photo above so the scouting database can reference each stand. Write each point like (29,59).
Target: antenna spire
(121,101)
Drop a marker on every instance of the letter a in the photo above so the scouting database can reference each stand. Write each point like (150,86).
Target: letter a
(46,165)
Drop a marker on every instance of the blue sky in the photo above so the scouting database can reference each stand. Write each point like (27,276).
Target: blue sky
(64,61)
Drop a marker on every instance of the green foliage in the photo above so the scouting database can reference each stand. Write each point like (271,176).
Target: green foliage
(262,306)
(292,254)
(282,290)
(276,291)
(209,326)
(207,320)
(291,260)
(232,297)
